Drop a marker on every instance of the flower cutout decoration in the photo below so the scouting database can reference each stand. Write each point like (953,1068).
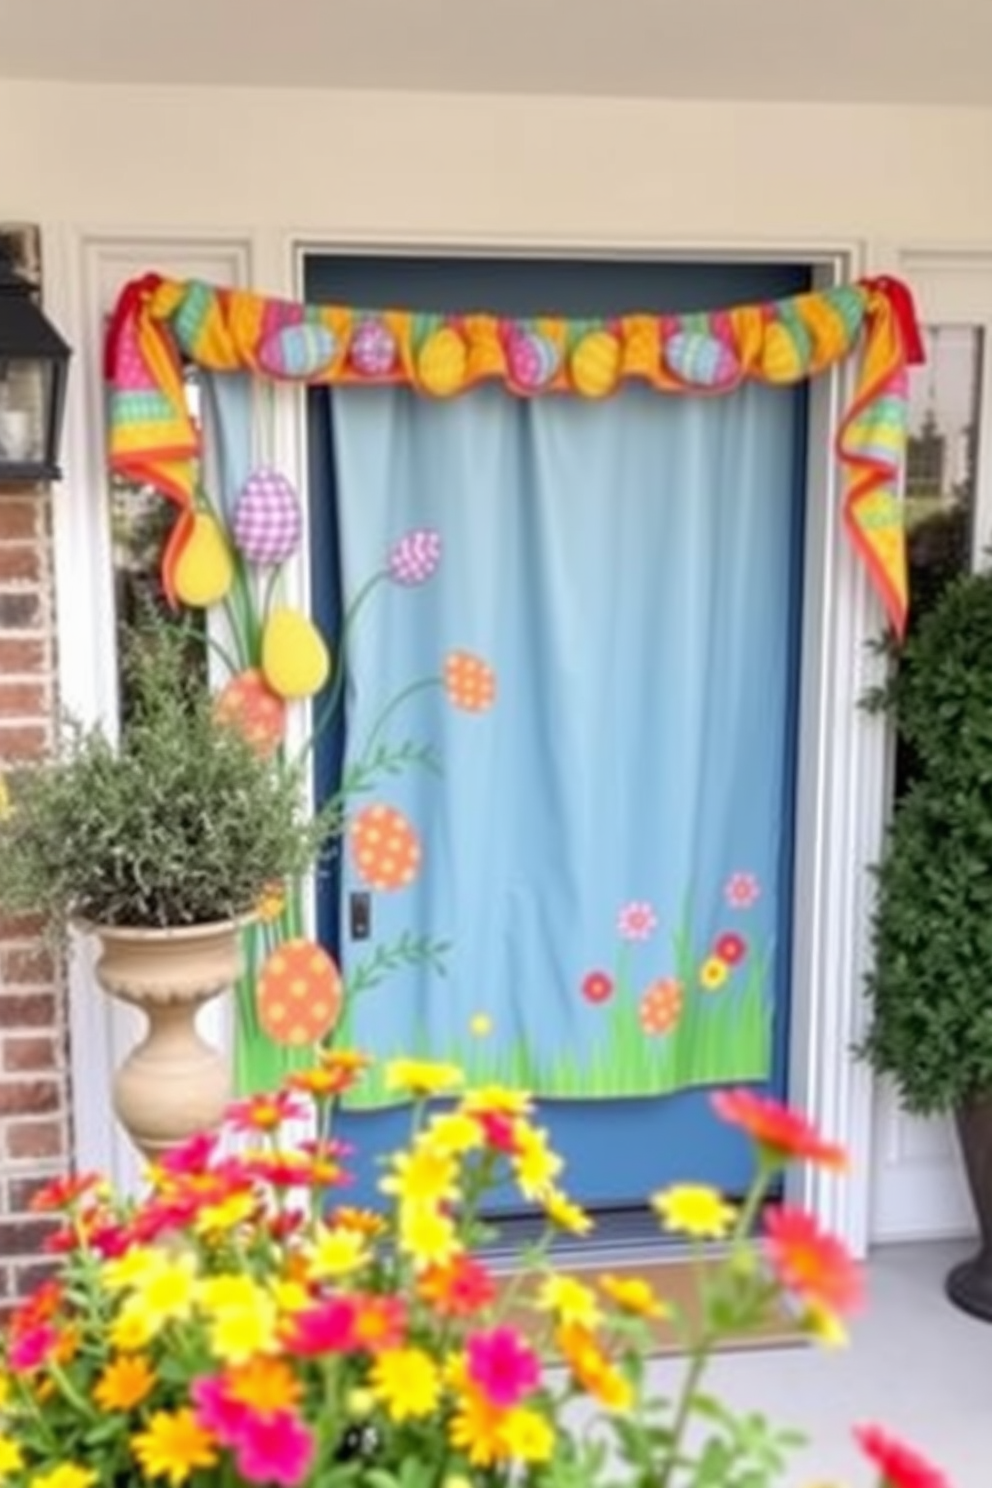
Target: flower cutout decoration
(597,987)
(730,948)
(415,556)
(637,920)
(385,848)
(469,682)
(742,890)
(713,974)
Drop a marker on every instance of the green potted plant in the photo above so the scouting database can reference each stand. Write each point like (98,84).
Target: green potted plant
(930,989)
(163,845)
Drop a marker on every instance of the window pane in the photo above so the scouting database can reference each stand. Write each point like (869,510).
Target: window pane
(942,459)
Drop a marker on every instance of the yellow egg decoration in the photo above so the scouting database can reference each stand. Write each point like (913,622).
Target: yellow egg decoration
(295,658)
(595,364)
(205,568)
(443,363)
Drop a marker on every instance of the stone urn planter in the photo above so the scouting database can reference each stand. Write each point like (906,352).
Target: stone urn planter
(969,1286)
(173,1083)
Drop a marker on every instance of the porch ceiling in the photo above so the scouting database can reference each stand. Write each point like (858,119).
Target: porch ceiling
(885,51)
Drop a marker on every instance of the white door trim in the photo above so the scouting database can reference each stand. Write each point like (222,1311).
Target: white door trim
(841,802)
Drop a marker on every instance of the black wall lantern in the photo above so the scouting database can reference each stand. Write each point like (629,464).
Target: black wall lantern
(34,362)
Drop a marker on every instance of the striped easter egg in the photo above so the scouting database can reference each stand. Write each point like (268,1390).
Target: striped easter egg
(532,358)
(298,350)
(595,364)
(701,360)
(442,363)
(373,349)
(786,352)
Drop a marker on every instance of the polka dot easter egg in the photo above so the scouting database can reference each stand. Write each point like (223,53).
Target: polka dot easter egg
(532,359)
(247,703)
(373,349)
(661,1007)
(299,995)
(385,848)
(469,682)
(267,519)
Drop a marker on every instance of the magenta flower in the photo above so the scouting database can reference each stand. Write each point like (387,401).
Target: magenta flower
(741,890)
(502,1366)
(274,1448)
(32,1348)
(597,987)
(216,1411)
(414,557)
(328,1328)
(192,1156)
(637,920)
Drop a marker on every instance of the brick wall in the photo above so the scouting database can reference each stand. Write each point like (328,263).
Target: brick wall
(35,1133)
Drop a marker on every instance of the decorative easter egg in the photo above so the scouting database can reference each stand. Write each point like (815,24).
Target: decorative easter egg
(295,659)
(701,360)
(786,351)
(300,350)
(373,349)
(299,994)
(385,848)
(595,364)
(247,703)
(533,359)
(205,568)
(661,1007)
(267,518)
(442,363)
(469,681)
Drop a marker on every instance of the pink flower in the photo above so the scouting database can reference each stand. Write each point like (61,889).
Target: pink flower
(274,1448)
(216,1410)
(499,1131)
(731,948)
(742,890)
(637,920)
(32,1348)
(326,1329)
(502,1365)
(267,1112)
(414,557)
(597,987)
(900,1466)
(190,1157)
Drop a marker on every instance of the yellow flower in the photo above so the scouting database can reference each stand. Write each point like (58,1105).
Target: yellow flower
(427,1236)
(337,1252)
(423,1176)
(632,1294)
(242,1318)
(11,1457)
(164,1294)
(570,1300)
(592,1369)
(696,1210)
(407,1382)
(422,1077)
(129,1333)
(713,973)
(172,1446)
(500,1100)
(226,1215)
(124,1383)
(359,1404)
(481,1026)
(477,1429)
(290,1296)
(527,1436)
(453,1132)
(66,1475)
(565,1214)
(825,1326)
(534,1163)
(136,1266)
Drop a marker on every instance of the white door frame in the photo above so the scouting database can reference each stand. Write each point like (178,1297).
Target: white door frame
(841,786)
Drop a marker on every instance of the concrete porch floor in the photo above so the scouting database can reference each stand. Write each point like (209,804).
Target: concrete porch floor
(915,1365)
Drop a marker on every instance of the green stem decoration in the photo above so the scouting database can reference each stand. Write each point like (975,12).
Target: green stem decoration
(401,697)
(330,707)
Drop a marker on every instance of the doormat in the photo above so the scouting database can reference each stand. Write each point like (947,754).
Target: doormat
(676,1281)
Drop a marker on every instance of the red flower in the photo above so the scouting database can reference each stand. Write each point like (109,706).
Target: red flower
(899,1465)
(328,1328)
(815,1266)
(499,1131)
(63,1193)
(460,1289)
(380,1322)
(731,948)
(783,1135)
(597,987)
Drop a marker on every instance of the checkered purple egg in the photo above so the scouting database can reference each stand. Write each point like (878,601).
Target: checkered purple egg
(267,519)
(373,349)
(533,359)
(414,557)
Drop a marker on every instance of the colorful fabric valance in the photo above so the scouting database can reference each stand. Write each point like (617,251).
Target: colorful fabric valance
(158,323)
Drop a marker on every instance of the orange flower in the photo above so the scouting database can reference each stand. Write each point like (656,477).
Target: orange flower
(817,1267)
(462,1288)
(265,1385)
(379,1322)
(899,1465)
(361,1221)
(125,1383)
(591,1367)
(784,1136)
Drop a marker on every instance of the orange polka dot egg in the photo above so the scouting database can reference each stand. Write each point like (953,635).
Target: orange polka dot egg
(661,1007)
(469,682)
(385,848)
(300,994)
(248,704)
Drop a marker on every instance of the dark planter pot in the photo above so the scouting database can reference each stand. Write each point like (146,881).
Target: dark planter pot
(969,1286)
